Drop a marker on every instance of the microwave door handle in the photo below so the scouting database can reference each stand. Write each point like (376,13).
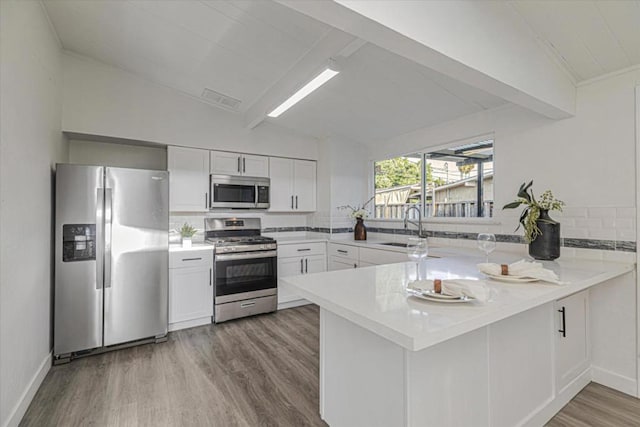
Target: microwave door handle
(255,191)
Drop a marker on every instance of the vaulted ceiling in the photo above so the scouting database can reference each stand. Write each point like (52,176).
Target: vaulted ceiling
(243,48)
(250,50)
(590,38)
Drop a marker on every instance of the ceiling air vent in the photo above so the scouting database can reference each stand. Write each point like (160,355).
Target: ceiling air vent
(221,100)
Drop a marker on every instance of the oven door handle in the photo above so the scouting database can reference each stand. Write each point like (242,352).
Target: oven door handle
(246,255)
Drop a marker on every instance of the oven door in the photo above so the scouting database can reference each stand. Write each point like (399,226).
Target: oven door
(245,275)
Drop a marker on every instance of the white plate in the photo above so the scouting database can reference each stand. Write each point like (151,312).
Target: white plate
(512,279)
(435,297)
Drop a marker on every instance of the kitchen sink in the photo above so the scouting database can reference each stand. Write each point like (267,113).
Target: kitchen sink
(396,244)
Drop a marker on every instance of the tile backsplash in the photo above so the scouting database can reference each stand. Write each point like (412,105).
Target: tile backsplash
(587,232)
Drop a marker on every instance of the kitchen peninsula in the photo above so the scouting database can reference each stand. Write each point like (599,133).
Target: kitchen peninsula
(387,359)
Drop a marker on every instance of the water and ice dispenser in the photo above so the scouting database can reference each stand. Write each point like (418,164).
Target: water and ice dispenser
(78,242)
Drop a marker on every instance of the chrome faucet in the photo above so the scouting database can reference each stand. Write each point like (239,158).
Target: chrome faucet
(407,221)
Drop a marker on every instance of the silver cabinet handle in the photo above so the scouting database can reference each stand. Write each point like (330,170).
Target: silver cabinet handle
(306,265)
(244,165)
(291,202)
(247,304)
(342,251)
(206,200)
(191,259)
(108,214)
(304,250)
(301,270)
(238,164)
(210,276)
(296,202)
(100,239)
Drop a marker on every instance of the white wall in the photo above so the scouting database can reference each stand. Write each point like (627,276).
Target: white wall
(588,160)
(106,101)
(118,155)
(342,171)
(30,144)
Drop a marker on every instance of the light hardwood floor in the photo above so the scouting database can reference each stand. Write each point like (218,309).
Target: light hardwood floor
(261,371)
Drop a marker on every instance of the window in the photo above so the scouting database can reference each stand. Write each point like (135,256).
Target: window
(451,182)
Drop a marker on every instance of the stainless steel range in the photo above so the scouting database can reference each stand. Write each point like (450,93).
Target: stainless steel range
(245,268)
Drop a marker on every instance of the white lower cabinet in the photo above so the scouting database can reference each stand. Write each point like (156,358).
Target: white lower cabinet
(343,257)
(572,338)
(341,263)
(190,288)
(294,260)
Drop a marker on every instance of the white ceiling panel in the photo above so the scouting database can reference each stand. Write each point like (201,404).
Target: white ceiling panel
(591,38)
(378,95)
(235,48)
(245,48)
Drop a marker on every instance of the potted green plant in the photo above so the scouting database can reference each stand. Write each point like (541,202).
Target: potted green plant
(541,232)
(187,232)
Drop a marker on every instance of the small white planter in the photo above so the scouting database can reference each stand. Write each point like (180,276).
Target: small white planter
(186,242)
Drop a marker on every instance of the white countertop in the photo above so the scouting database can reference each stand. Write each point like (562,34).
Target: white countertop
(194,247)
(375,298)
(292,240)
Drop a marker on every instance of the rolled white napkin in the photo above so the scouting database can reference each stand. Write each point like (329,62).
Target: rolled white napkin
(476,289)
(463,287)
(522,268)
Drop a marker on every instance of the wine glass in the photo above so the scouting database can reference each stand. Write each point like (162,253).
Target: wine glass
(417,250)
(487,243)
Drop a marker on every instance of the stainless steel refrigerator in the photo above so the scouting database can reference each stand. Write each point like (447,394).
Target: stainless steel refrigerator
(111,258)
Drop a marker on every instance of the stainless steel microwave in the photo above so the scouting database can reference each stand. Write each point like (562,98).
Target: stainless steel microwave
(239,192)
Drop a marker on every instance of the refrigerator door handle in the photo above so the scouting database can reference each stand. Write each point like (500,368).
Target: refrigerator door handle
(100,239)
(108,213)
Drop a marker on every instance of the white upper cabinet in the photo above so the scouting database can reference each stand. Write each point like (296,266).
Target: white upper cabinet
(281,174)
(293,185)
(304,185)
(255,166)
(225,163)
(188,179)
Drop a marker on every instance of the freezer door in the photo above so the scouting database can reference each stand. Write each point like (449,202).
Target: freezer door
(136,254)
(78,275)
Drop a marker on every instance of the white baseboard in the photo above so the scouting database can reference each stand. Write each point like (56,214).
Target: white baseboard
(27,395)
(615,381)
(545,413)
(189,323)
(294,303)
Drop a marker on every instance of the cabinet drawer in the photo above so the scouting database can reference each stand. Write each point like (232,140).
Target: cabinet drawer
(185,259)
(301,249)
(344,251)
(378,256)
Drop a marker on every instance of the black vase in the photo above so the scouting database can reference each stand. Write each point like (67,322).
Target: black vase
(547,245)
(359,231)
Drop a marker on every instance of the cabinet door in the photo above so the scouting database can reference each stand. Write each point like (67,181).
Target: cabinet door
(190,293)
(315,264)
(305,185)
(188,179)
(572,345)
(338,263)
(255,166)
(288,267)
(224,163)
(281,174)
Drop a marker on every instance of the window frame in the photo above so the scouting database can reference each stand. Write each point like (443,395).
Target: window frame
(484,220)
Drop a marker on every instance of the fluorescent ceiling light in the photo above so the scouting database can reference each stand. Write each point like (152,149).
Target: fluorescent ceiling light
(314,84)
